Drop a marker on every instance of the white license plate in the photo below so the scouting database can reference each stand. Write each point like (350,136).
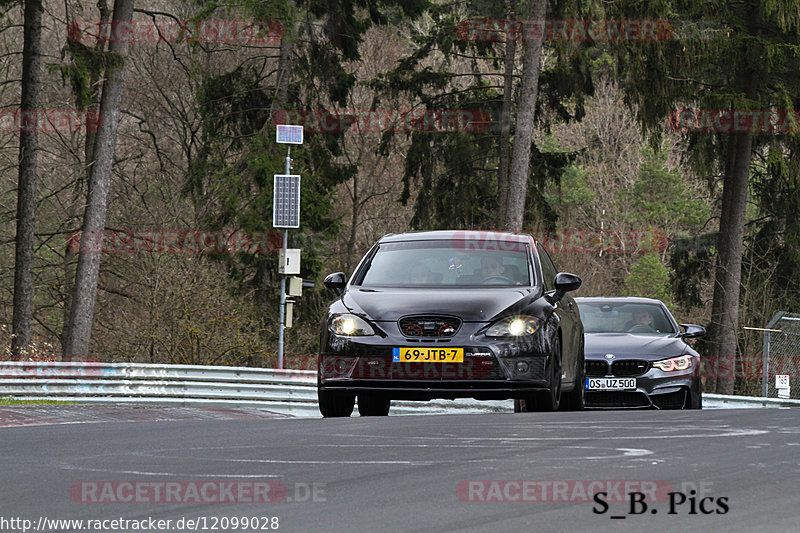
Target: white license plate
(610,383)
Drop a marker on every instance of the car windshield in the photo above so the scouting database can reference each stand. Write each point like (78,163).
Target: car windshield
(449,263)
(635,318)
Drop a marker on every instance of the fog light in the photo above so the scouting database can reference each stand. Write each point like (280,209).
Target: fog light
(522,367)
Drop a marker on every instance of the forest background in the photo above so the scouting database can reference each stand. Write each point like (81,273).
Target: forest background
(617,189)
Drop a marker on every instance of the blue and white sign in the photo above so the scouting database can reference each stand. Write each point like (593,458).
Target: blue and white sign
(288,134)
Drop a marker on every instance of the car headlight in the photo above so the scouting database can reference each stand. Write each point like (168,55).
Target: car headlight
(350,325)
(684,362)
(514,326)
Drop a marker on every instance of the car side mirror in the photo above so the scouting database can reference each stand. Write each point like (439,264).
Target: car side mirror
(564,283)
(336,282)
(692,331)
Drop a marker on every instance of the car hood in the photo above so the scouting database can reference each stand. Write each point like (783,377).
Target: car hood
(471,305)
(646,347)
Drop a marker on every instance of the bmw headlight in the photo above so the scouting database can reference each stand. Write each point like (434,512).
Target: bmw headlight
(350,325)
(684,362)
(514,326)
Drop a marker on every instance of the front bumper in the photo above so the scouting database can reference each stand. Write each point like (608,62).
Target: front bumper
(654,390)
(487,373)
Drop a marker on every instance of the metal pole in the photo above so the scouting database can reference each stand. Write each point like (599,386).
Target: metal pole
(765,361)
(282,312)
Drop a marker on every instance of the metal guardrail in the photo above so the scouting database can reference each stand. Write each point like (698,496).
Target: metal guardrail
(291,392)
(724,401)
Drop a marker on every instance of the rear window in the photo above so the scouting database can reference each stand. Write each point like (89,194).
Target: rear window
(445,264)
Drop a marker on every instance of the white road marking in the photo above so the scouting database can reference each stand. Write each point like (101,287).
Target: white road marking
(166,474)
(731,432)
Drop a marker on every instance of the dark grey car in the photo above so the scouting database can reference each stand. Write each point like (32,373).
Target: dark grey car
(637,356)
(451,314)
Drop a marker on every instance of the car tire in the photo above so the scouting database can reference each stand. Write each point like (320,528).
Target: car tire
(575,400)
(369,405)
(333,404)
(699,403)
(549,400)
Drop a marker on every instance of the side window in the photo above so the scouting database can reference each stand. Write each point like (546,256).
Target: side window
(548,268)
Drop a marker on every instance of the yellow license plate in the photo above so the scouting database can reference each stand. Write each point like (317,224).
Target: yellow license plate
(428,355)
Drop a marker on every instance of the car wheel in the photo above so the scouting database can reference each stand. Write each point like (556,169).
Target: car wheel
(576,398)
(697,402)
(334,404)
(369,405)
(548,400)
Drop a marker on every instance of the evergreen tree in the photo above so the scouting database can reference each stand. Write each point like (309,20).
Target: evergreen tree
(462,178)
(746,59)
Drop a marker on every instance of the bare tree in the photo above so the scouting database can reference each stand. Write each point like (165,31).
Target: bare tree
(526,111)
(94,219)
(78,190)
(505,119)
(284,68)
(26,190)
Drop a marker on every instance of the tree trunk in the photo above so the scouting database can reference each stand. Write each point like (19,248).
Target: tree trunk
(78,192)
(505,120)
(730,243)
(285,62)
(94,219)
(526,111)
(722,340)
(26,190)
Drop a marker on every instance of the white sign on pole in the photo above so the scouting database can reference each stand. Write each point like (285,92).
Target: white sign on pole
(289,261)
(286,201)
(782,384)
(288,134)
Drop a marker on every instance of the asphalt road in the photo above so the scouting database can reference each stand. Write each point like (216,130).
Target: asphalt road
(469,472)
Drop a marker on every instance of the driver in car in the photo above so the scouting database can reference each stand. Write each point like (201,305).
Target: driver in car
(421,274)
(642,319)
(491,267)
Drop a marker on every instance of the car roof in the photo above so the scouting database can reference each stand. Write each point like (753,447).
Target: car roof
(477,235)
(618,299)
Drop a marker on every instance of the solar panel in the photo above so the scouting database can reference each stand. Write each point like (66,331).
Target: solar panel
(286,134)
(286,201)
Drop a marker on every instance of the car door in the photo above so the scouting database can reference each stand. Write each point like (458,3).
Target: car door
(567,311)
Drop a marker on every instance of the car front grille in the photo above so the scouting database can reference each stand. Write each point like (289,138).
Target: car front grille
(596,368)
(629,367)
(429,325)
(616,399)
